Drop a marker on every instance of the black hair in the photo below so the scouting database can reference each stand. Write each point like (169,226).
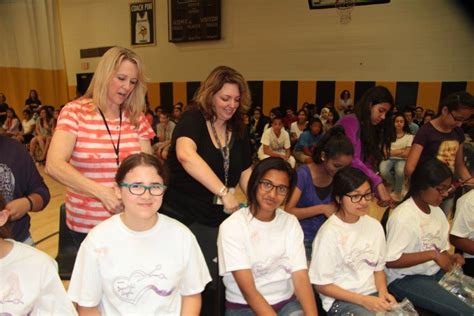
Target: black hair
(454,101)
(428,174)
(419,107)
(344,91)
(347,180)
(406,128)
(278,116)
(374,138)
(313,120)
(335,115)
(334,143)
(304,111)
(409,109)
(140,159)
(262,167)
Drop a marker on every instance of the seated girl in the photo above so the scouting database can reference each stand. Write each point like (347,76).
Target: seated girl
(297,128)
(139,262)
(43,134)
(417,243)
(462,230)
(29,281)
(349,252)
(276,142)
(311,201)
(261,252)
(307,140)
(392,169)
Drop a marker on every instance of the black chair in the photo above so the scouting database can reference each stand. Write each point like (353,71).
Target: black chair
(67,250)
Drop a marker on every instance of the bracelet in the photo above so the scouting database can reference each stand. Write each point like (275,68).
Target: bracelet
(31,203)
(223,191)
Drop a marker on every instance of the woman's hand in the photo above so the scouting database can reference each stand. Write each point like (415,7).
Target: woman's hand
(458,259)
(110,201)
(330,209)
(384,198)
(230,203)
(375,304)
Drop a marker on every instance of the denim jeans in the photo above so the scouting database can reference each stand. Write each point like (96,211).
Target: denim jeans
(396,178)
(292,308)
(342,308)
(425,292)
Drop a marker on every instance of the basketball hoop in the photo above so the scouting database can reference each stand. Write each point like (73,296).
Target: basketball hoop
(344,9)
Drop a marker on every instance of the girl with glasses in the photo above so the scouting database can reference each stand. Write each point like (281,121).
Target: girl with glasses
(261,253)
(348,261)
(417,243)
(443,138)
(139,262)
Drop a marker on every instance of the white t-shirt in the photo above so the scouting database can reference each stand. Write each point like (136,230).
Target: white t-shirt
(463,223)
(138,273)
(28,126)
(295,129)
(277,144)
(402,142)
(347,255)
(30,285)
(272,250)
(411,230)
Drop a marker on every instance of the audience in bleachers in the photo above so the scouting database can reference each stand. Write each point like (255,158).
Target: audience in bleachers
(392,168)
(311,201)
(408,113)
(3,108)
(417,243)
(275,142)
(299,126)
(28,125)
(164,131)
(303,151)
(43,134)
(33,102)
(289,118)
(419,112)
(11,126)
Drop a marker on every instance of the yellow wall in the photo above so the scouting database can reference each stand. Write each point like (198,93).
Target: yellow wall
(404,40)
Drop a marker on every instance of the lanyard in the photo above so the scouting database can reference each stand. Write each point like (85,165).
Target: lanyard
(225,151)
(116,149)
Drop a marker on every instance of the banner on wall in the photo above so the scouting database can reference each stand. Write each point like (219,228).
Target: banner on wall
(142,18)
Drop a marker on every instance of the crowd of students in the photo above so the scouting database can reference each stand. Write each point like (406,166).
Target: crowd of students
(154,238)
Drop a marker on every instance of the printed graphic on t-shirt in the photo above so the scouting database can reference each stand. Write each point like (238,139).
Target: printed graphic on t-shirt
(132,288)
(429,240)
(10,293)
(276,145)
(360,256)
(268,268)
(7,182)
(447,152)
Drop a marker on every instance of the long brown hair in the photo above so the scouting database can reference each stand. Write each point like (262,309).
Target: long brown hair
(213,83)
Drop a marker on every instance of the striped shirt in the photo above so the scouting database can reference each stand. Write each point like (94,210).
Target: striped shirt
(94,156)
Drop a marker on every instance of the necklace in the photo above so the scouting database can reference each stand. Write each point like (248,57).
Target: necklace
(116,149)
(223,149)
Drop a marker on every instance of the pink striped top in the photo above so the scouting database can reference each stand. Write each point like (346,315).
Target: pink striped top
(94,156)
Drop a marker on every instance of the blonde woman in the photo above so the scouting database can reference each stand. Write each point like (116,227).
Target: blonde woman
(94,134)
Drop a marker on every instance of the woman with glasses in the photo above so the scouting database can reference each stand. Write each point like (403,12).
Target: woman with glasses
(261,253)
(139,262)
(348,261)
(417,243)
(443,138)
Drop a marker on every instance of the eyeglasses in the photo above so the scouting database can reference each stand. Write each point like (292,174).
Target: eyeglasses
(356,198)
(267,186)
(443,190)
(458,119)
(155,189)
